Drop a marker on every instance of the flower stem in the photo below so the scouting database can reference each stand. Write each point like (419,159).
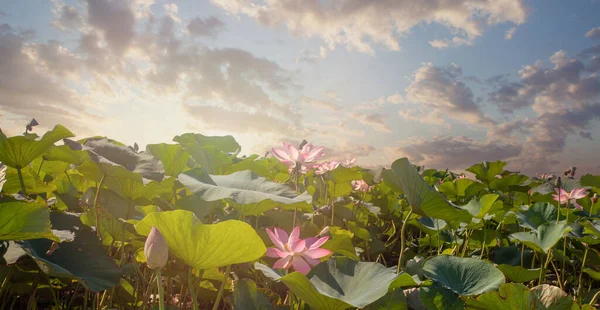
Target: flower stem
(161,297)
(222,288)
(21,181)
(579,285)
(192,290)
(403,240)
(96,208)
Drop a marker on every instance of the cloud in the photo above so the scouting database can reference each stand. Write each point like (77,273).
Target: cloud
(441,90)
(311,57)
(510,33)
(565,101)
(115,20)
(593,34)
(32,84)
(205,27)
(67,17)
(359,25)
(373,120)
(241,121)
(455,152)
(320,104)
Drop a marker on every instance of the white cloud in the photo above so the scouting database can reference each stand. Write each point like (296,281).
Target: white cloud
(205,27)
(593,34)
(320,104)
(359,24)
(510,33)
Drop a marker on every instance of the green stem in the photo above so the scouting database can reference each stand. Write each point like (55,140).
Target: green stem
(222,288)
(191,288)
(594,298)
(579,294)
(564,261)
(21,181)
(40,167)
(96,208)
(161,297)
(403,240)
(484,240)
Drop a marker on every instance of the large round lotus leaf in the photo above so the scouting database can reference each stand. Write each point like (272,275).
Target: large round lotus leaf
(204,246)
(83,258)
(356,283)
(487,171)
(21,220)
(464,276)
(423,199)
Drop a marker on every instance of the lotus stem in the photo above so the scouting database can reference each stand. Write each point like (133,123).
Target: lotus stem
(402,239)
(594,298)
(21,180)
(161,297)
(562,270)
(192,290)
(579,285)
(96,208)
(222,288)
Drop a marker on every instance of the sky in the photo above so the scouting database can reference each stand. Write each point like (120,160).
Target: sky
(445,83)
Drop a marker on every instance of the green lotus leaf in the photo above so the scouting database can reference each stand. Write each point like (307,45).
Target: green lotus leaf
(204,246)
(480,208)
(423,199)
(83,258)
(487,171)
(245,188)
(546,236)
(173,156)
(436,297)
(464,276)
(247,297)
(210,152)
(550,297)
(65,154)
(536,215)
(355,283)
(103,150)
(456,188)
(18,151)
(519,274)
(508,296)
(21,220)
(301,286)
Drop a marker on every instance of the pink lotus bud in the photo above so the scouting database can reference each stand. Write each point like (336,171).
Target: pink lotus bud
(325,232)
(156,249)
(595,198)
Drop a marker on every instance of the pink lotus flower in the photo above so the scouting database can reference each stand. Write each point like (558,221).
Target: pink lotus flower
(461,176)
(290,155)
(360,185)
(563,197)
(296,252)
(326,166)
(348,162)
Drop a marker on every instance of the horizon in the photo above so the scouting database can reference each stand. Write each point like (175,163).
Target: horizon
(448,85)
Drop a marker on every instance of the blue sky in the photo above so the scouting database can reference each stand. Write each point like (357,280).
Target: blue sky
(447,84)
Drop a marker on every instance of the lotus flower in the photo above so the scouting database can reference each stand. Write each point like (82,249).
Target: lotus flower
(360,185)
(296,252)
(156,249)
(326,166)
(563,197)
(291,156)
(348,162)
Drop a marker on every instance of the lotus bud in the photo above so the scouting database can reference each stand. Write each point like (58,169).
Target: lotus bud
(324,232)
(573,169)
(156,249)
(32,123)
(567,172)
(594,198)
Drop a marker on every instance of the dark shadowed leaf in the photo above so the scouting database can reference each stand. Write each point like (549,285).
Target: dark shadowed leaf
(248,297)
